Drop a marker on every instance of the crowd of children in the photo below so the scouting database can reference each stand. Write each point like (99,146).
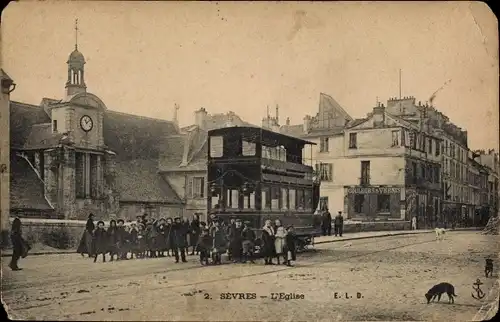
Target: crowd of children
(150,238)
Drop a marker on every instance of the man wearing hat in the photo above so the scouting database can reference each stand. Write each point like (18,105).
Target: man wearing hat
(248,239)
(228,230)
(235,240)
(179,240)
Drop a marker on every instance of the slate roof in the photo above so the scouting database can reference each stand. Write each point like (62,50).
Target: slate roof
(22,118)
(136,140)
(135,137)
(41,137)
(26,188)
(293,130)
(139,181)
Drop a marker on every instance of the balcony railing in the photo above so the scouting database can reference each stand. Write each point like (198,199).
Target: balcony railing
(364,181)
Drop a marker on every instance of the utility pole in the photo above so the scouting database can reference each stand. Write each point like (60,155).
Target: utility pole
(400,83)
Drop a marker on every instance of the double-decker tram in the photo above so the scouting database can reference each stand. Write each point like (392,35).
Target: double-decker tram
(256,174)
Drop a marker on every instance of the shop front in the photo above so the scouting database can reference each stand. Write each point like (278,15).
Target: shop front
(374,202)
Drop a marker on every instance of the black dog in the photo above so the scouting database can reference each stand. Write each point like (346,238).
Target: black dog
(438,290)
(488,268)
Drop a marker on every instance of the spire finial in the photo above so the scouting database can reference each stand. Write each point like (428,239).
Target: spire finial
(76,34)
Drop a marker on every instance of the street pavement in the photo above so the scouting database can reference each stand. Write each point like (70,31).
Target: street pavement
(389,275)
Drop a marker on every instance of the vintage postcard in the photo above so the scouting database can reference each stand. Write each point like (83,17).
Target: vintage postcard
(249,161)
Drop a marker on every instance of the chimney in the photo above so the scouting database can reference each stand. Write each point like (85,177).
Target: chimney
(277,114)
(378,116)
(201,118)
(265,123)
(307,124)
(287,121)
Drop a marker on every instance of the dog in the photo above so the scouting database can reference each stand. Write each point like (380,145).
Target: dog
(440,233)
(438,289)
(488,267)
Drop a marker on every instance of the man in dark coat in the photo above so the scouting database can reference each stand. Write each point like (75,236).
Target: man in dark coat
(326,223)
(195,233)
(248,240)
(179,240)
(121,238)
(19,245)
(235,240)
(228,229)
(339,224)
(101,242)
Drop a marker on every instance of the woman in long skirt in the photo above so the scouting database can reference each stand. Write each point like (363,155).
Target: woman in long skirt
(268,243)
(85,246)
(279,241)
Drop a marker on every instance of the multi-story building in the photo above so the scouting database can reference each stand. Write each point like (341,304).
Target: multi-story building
(390,170)
(375,168)
(454,161)
(326,130)
(491,161)
(476,199)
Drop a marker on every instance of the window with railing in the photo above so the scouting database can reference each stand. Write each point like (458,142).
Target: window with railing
(323,203)
(275,198)
(325,171)
(300,199)
(308,199)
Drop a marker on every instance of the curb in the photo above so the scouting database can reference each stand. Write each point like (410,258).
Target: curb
(389,235)
(2,254)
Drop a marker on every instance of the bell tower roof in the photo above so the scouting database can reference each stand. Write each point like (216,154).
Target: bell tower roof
(76,80)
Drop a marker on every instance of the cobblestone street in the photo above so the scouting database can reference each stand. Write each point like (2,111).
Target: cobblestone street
(391,275)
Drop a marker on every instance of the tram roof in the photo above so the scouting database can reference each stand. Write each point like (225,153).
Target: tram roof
(265,134)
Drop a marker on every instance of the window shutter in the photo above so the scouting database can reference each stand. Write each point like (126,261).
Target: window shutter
(202,187)
(189,187)
(330,172)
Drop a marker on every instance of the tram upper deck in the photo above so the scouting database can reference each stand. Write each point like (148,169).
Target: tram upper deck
(256,174)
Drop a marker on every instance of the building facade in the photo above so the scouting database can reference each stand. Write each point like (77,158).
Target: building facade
(73,156)
(491,161)
(7,86)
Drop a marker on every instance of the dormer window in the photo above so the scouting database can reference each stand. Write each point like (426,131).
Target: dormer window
(54,126)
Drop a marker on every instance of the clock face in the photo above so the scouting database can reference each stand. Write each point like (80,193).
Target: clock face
(86,123)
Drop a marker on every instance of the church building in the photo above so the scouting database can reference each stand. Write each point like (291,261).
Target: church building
(73,156)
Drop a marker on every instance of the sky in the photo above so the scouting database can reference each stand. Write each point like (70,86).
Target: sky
(144,57)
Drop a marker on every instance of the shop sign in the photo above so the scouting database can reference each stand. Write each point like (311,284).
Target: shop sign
(377,190)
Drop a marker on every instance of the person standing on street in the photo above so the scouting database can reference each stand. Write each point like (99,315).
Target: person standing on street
(326,223)
(85,246)
(339,224)
(268,243)
(19,246)
(235,241)
(195,231)
(179,240)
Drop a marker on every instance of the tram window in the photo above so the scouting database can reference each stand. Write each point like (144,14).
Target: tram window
(232,199)
(266,198)
(284,198)
(291,199)
(308,199)
(275,197)
(248,148)
(300,199)
(249,201)
(216,146)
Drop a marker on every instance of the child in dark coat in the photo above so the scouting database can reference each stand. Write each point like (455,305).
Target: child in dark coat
(290,245)
(141,241)
(113,240)
(204,246)
(133,241)
(100,241)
